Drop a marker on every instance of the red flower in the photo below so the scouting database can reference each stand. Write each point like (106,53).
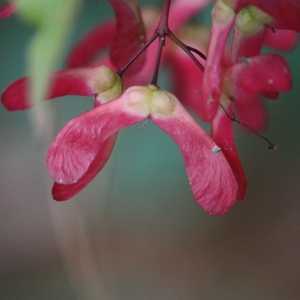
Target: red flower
(84,145)
(243,84)
(77,148)
(82,148)
(254,15)
(99,81)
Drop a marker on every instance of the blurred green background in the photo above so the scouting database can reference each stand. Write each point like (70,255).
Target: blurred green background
(135,232)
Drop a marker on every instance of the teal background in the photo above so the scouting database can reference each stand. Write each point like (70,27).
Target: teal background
(135,232)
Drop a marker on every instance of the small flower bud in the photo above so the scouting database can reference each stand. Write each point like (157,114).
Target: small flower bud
(222,12)
(107,83)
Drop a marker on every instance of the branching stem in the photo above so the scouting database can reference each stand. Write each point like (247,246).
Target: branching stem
(162,31)
(132,60)
(157,62)
(188,50)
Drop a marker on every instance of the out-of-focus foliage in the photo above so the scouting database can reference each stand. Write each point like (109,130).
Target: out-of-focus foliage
(52,21)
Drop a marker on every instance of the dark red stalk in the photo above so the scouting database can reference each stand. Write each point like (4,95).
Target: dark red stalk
(161,32)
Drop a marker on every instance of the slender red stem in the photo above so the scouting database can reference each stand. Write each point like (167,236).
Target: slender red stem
(161,32)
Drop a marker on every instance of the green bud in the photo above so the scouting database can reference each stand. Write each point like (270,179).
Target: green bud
(222,12)
(251,20)
(109,84)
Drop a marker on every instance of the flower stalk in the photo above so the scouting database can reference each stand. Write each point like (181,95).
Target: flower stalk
(162,31)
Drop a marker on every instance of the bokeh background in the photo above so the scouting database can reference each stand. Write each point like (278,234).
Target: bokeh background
(135,232)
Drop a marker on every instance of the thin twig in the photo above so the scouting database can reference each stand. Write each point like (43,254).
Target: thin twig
(233,118)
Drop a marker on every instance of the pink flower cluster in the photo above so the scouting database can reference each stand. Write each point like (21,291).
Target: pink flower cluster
(215,78)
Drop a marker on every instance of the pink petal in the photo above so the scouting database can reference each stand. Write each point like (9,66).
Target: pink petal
(130,35)
(222,134)
(77,145)
(15,96)
(211,86)
(81,82)
(267,73)
(212,181)
(282,40)
(246,45)
(251,111)
(62,192)
(97,40)
(7,10)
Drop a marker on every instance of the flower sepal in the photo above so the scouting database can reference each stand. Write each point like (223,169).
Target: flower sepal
(90,81)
